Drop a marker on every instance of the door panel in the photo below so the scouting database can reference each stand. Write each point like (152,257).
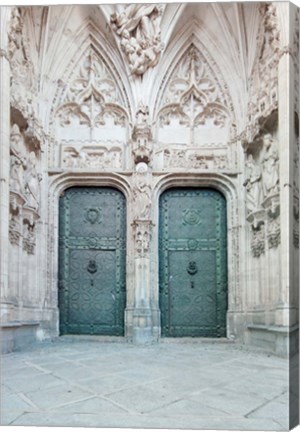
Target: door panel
(92,261)
(193,277)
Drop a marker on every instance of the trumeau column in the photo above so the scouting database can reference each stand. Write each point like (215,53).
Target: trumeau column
(4,160)
(140,316)
(286,93)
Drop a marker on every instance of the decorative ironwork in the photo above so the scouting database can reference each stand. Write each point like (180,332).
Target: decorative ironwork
(192,268)
(193,263)
(93,215)
(92,261)
(191,217)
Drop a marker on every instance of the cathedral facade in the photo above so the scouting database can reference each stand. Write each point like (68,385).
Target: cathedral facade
(149,160)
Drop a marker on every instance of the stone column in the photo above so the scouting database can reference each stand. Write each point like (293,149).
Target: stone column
(286,92)
(142,314)
(4,159)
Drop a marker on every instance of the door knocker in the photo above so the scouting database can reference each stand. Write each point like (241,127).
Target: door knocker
(92,268)
(192,270)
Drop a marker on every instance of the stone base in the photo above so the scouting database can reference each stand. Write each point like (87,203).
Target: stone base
(282,341)
(18,335)
(141,326)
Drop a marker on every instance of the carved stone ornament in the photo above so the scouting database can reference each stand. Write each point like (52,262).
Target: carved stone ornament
(32,182)
(92,98)
(142,136)
(193,96)
(137,26)
(258,241)
(253,185)
(18,163)
(270,173)
(30,218)
(99,157)
(15,217)
(23,82)
(193,159)
(142,230)
(142,193)
(273,233)
(263,84)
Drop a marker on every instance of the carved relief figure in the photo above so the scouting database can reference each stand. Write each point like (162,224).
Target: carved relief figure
(17,161)
(32,179)
(142,115)
(253,185)
(270,173)
(138,28)
(141,193)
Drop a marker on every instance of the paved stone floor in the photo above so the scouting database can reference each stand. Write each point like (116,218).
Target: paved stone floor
(170,385)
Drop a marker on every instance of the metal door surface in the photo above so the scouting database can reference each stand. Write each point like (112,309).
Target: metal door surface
(193,263)
(92,253)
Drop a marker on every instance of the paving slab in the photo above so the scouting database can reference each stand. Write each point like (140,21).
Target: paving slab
(169,385)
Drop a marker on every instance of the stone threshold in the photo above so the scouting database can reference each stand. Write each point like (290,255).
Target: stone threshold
(273,328)
(196,340)
(15,324)
(91,338)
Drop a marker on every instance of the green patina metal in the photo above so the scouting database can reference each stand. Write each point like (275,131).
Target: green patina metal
(193,263)
(92,253)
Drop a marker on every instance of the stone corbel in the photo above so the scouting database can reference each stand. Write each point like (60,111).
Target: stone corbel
(272,206)
(256,219)
(258,240)
(30,217)
(15,227)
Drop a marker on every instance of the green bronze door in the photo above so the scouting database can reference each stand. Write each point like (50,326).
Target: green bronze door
(92,244)
(193,263)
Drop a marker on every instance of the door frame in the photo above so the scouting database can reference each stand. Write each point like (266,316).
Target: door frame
(58,182)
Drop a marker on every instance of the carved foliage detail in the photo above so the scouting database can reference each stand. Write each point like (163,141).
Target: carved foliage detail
(138,28)
(258,241)
(193,96)
(142,233)
(92,97)
(23,83)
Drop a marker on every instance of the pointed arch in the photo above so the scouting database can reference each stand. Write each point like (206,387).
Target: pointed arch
(88,40)
(186,39)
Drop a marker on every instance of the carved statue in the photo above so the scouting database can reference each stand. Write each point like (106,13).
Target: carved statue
(32,179)
(138,28)
(15,33)
(17,161)
(253,185)
(270,174)
(142,115)
(141,195)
